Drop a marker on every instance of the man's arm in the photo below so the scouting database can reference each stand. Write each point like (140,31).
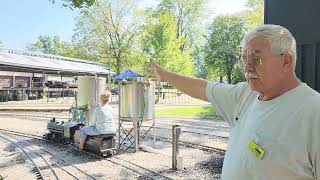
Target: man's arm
(194,87)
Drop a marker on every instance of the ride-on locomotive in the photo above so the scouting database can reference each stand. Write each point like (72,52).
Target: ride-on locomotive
(69,133)
(89,90)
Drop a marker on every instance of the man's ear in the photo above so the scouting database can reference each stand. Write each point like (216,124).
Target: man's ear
(287,60)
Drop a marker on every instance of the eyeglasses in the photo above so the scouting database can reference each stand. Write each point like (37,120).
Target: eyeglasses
(255,61)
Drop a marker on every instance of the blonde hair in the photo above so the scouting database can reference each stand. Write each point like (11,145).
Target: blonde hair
(105,97)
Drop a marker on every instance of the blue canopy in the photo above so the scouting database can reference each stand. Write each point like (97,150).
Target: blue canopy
(128,74)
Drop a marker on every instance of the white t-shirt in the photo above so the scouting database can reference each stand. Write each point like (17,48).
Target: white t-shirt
(287,128)
(102,119)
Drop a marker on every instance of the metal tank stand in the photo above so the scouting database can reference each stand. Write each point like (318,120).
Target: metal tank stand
(131,131)
(126,137)
(145,130)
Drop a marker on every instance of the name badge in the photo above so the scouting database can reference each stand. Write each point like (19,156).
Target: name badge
(256,149)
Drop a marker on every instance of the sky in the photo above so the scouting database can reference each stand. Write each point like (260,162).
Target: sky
(23,21)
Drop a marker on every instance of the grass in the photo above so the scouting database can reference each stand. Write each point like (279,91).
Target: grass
(205,112)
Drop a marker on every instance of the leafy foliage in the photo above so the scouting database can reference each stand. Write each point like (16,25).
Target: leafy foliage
(201,69)
(255,13)
(76,3)
(53,45)
(109,29)
(237,75)
(48,45)
(224,44)
(159,40)
(187,14)
(224,40)
(117,32)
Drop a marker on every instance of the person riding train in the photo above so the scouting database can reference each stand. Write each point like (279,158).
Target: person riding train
(102,121)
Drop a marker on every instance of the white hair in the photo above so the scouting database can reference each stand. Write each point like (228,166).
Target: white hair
(280,39)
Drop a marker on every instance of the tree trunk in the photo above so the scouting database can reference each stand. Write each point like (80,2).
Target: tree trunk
(229,72)
(229,78)
(118,58)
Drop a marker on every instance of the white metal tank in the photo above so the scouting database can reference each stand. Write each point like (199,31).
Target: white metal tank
(137,95)
(89,90)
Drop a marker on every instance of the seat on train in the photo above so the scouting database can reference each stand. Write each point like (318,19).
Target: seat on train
(102,136)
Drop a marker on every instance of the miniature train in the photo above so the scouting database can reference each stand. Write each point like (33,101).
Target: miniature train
(69,133)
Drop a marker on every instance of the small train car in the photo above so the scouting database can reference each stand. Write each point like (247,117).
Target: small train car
(69,133)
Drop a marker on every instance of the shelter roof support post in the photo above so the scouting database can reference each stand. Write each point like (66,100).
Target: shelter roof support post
(32,81)
(43,78)
(13,81)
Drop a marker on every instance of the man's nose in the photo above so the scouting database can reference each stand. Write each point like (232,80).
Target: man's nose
(248,66)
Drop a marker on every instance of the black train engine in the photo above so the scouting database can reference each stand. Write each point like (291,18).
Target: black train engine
(69,133)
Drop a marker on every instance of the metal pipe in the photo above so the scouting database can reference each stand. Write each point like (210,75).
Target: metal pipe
(176,130)
(153,113)
(135,116)
(119,116)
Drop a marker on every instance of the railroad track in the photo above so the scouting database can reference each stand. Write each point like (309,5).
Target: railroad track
(34,117)
(169,128)
(143,172)
(27,152)
(191,145)
(53,156)
(166,139)
(47,118)
(190,132)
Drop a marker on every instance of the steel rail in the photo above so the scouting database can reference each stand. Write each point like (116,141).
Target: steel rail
(41,138)
(48,118)
(91,154)
(40,175)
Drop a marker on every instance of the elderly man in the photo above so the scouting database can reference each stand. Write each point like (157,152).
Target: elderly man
(274,117)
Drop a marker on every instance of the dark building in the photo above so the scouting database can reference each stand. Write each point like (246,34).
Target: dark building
(301,18)
(20,79)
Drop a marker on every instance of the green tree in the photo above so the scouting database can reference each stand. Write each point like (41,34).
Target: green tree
(108,29)
(53,45)
(76,3)
(255,13)
(188,19)
(1,44)
(187,14)
(76,49)
(223,48)
(48,45)
(201,70)
(237,75)
(159,40)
